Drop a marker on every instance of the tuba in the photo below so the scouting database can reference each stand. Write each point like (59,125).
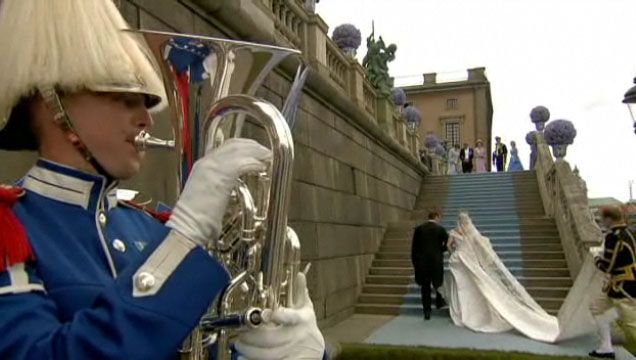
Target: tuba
(210,84)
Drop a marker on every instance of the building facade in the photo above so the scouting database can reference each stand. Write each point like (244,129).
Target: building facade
(458,112)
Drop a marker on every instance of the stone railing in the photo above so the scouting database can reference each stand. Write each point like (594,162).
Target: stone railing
(290,19)
(337,64)
(369,98)
(565,200)
(400,130)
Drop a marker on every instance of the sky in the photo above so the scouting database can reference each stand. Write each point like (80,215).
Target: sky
(576,57)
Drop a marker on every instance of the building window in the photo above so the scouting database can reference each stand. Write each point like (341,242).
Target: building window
(453,135)
(451,104)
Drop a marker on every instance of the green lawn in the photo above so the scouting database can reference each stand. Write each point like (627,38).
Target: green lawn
(383,352)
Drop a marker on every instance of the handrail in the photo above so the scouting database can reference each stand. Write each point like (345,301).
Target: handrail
(565,200)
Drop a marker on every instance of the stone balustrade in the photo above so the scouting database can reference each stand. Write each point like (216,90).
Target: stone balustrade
(337,65)
(369,98)
(290,19)
(565,200)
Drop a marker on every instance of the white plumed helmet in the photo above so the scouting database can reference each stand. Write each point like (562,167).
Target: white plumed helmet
(71,45)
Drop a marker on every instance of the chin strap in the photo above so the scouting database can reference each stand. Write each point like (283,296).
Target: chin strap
(54,103)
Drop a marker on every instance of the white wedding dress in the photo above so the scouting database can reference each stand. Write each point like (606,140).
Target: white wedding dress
(484,296)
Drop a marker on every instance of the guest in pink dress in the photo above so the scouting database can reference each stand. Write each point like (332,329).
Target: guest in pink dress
(480,157)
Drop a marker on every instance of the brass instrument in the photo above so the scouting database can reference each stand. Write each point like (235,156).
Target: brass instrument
(210,84)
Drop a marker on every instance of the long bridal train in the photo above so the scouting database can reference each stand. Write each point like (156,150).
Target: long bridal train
(484,296)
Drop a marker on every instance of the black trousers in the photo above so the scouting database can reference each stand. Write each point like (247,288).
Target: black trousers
(430,279)
(467,167)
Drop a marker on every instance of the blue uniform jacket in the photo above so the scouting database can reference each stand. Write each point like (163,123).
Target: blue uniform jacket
(106,283)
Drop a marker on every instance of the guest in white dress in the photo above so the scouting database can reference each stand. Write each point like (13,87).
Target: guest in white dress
(480,157)
(454,165)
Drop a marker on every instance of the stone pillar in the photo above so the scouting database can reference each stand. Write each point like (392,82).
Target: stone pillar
(430,78)
(435,164)
(356,82)
(403,128)
(384,111)
(416,143)
(317,40)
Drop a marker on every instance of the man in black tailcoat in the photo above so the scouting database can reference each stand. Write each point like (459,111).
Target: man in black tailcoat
(466,155)
(427,255)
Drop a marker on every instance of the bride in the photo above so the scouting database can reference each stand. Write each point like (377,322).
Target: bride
(484,296)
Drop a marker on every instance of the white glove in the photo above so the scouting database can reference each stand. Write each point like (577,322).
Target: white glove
(290,334)
(201,206)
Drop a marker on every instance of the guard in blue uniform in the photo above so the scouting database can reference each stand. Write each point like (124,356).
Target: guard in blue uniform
(83,275)
(618,261)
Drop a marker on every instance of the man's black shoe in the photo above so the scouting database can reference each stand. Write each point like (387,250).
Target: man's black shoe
(427,315)
(598,355)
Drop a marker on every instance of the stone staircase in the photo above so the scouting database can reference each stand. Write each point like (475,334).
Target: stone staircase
(507,208)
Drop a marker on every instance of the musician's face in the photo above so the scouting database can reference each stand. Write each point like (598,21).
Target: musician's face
(107,123)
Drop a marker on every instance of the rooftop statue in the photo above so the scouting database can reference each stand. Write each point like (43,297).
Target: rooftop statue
(376,62)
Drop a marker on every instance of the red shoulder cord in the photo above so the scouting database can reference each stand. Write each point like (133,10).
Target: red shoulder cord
(162,216)
(14,243)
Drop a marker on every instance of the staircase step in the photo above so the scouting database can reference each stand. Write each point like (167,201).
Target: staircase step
(510,263)
(478,206)
(517,239)
(443,198)
(490,233)
(534,291)
(483,181)
(486,201)
(385,289)
(479,189)
(383,298)
(448,222)
(378,309)
(416,299)
(390,247)
(393,309)
(477,215)
(504,255)
(524,280)
(516,271)
(551,292)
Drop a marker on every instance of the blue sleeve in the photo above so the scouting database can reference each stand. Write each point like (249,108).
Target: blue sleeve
(117,325)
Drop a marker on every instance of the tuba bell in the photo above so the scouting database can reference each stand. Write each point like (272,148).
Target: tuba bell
(210,84)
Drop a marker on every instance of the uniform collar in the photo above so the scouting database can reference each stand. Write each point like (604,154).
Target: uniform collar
(618,226)
(70,185)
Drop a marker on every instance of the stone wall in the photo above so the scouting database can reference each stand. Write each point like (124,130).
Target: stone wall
(347,187)
(351,176)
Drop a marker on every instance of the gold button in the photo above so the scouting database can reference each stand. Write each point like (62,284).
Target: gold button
(119,245)
(144,281)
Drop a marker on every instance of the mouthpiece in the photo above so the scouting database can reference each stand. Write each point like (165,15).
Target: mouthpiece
(144,141)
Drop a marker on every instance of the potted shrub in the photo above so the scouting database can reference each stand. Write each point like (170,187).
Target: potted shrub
(559,134)
(348,38)
(539,116)
(412,116)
